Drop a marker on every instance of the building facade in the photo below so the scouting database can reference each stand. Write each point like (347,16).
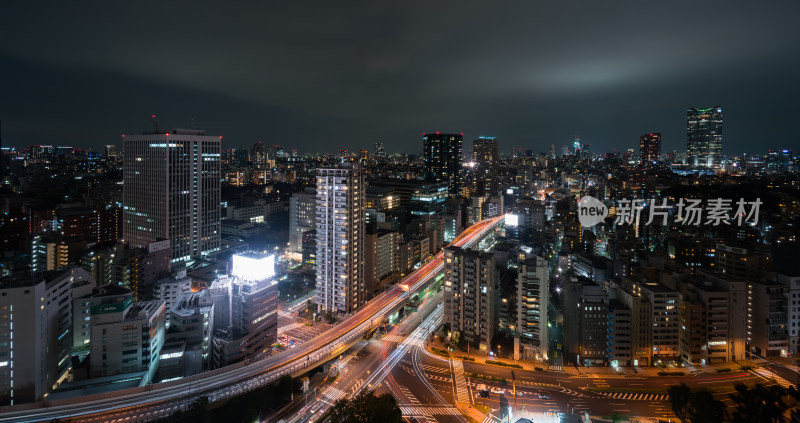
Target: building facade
(444,156)
(340,239)
(470,288)
(532,306)
(704,137)
(171,191)
(126,337)
(650,148)
(245,309)
(485,153)
(302,218)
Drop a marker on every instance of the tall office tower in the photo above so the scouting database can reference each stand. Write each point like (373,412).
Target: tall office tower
(470,282)
(704,137)
(363,154)
(577,146)
(650,147)
(443,154)
(302,217)
(36,338)
(486,156)
(340,238)
(532,299)
(245,309)
(259,153)
(172,191)
(111,151)
(380,153)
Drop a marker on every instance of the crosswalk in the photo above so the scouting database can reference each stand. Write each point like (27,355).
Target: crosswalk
(393,338)
(556,368)
(434,369)
(462,391)
(411,398)
(575,393)
(333,394)
(770,376)
(428,411)
(635,396)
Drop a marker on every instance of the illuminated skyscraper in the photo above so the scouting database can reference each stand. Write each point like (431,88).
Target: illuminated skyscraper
(443,154)
(532,298)
(340,238)
(172,191)
(486,154)
(470,281)
(704,137)
(380,153)
(650,147)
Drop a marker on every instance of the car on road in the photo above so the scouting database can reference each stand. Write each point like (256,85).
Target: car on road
(519,394)
(483,394)
(498,391)
(482,387)
(544,396)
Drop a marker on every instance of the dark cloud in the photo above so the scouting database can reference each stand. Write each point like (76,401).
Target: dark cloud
(320,76)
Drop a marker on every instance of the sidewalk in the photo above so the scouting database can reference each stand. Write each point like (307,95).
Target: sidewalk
(472,413)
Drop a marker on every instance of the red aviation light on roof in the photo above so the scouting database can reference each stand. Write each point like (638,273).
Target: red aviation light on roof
(437,132)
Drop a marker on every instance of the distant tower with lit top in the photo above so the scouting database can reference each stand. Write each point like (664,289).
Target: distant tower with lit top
(444,156)
(704,137)
(650,147)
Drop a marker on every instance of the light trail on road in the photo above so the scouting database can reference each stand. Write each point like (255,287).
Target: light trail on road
(161,400)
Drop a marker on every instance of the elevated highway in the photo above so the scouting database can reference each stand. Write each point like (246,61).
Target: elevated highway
(162,399)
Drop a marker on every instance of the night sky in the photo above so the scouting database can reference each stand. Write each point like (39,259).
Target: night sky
(320,76)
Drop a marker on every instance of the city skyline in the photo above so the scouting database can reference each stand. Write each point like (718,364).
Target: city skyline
(276,72)
(399,212)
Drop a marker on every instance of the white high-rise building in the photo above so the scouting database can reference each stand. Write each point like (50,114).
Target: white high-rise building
(532,300)
(470,280)
(35,332)
(302,217)
(172,191)
(340,239)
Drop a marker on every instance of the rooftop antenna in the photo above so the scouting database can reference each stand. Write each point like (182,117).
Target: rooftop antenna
(193,125)
(155,124)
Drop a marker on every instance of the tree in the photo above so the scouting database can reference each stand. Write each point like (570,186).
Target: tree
(706,408)
(759,403)
(366,407)
(680,397)
(310,309)
(330,317)
(616,417)
(250,416)
(695,407)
